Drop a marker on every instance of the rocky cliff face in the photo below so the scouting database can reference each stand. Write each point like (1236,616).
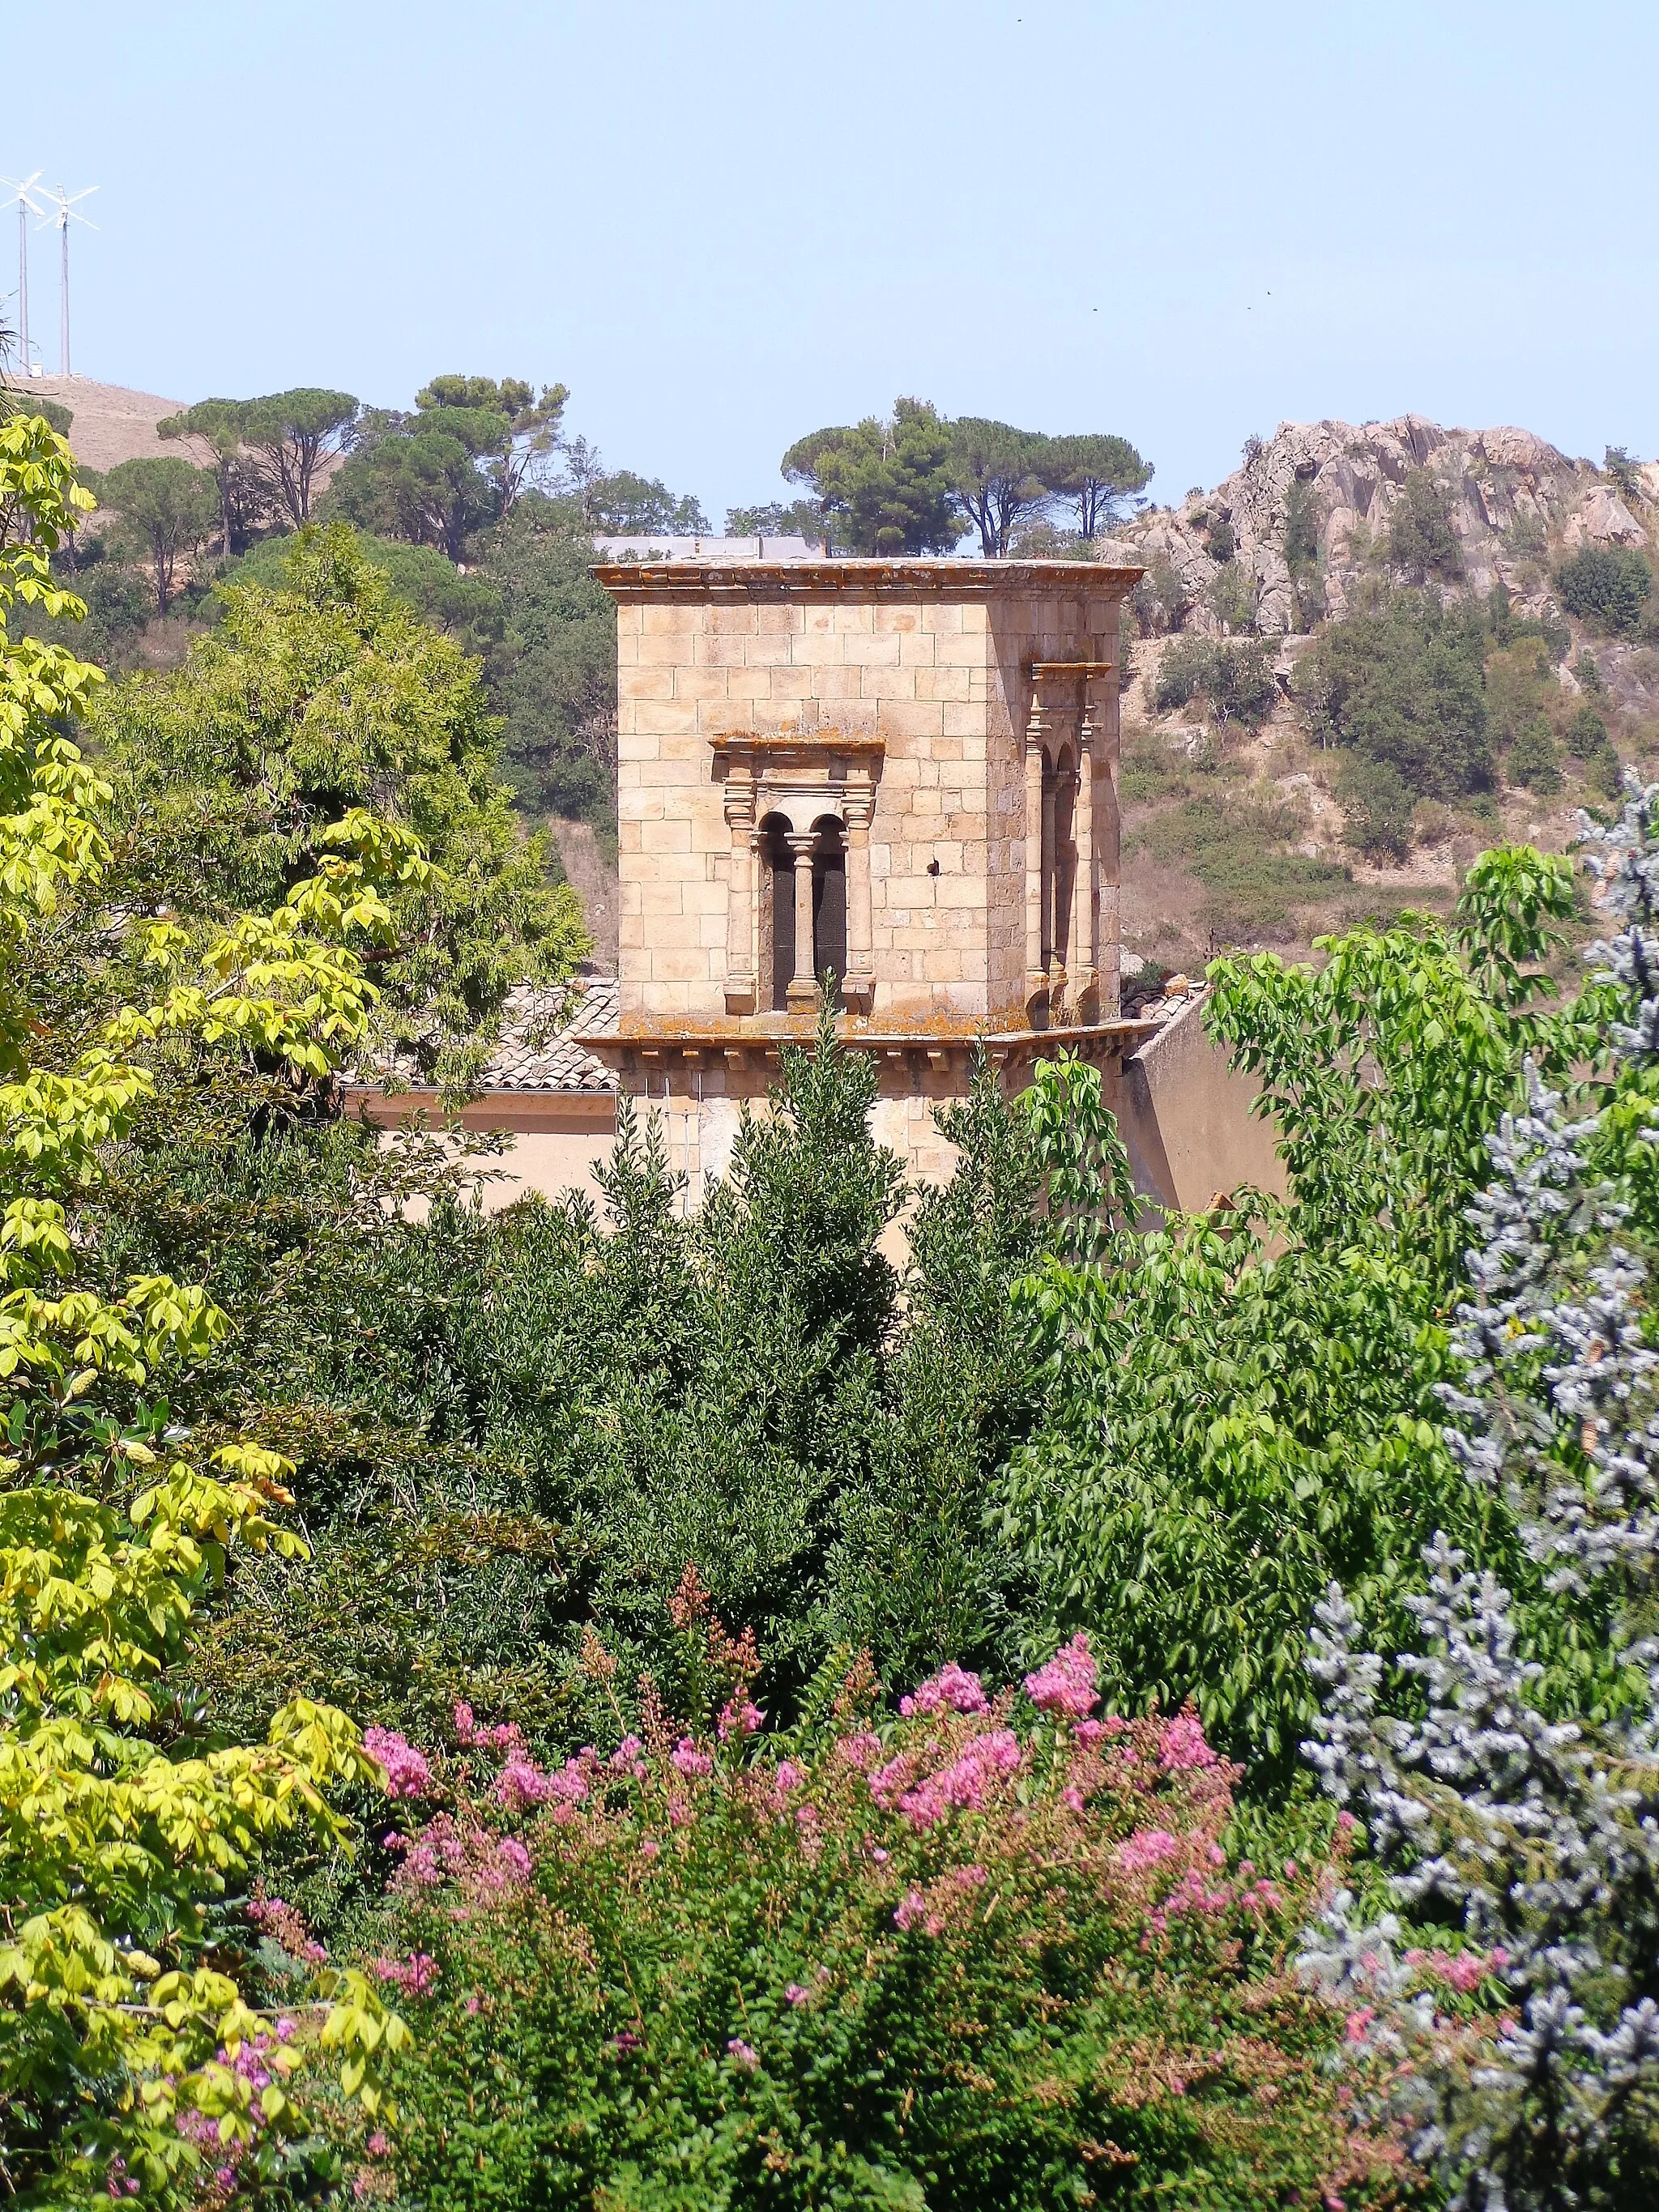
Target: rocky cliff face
(1311,507)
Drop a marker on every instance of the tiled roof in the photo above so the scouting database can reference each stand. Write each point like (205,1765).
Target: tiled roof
(534,1054)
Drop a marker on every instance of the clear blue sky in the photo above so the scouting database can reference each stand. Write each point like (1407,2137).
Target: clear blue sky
(724,224)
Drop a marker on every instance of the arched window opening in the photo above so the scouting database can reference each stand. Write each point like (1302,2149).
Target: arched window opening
(777,910)
(829,903)
(1063,866)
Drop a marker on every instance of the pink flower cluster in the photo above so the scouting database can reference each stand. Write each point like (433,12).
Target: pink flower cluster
(249,2065)
(1193,1894)
(740,1718)
(1068,1685)
(407,1774)
(1464,1971)
(1183,1745)
(521,1782)
(286,1928)
(688,1760)
(506,1737)
(488,1869)
(414,1975)
(744,2054)
(860,1750)
(965,1783)
(1145,1849)
(952,1690)
(928,1910)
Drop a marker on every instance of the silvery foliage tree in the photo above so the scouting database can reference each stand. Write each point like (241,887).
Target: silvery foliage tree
(1530,1842)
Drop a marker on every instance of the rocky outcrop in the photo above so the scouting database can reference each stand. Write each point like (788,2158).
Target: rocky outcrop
(1513,502)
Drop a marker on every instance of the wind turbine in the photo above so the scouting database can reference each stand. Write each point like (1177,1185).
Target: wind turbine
(21,187)
(64,203)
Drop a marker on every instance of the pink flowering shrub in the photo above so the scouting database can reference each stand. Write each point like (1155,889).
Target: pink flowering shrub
(407,1774)
(959,1951)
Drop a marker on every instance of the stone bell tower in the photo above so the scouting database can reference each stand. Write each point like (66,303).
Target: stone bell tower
(902,773)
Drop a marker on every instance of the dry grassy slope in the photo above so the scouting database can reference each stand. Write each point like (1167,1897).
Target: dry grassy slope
(112,424)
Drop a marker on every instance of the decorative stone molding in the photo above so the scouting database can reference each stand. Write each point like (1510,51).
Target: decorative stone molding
(1072,842)
(802,777)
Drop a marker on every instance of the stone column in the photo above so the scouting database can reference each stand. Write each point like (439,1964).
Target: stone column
(1050,867)
(1108,838)
(1035,980)
(741,986)
(802,984)
(1085,888)
(859,984)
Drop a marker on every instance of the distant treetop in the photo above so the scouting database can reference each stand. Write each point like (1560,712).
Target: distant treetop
(917,482)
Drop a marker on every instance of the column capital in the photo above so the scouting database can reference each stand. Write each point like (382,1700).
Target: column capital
(802,843)
(738,793)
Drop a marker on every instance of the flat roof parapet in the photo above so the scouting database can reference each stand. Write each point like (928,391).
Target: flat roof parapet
(910,578)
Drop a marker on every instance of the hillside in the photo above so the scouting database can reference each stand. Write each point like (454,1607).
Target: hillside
(1237,825)
(1311,505)
(112,424)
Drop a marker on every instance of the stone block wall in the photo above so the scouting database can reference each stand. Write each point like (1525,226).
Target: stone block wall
(933,658)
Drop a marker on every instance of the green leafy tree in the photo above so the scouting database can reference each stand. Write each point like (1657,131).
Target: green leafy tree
(289,434)
(121,2034)
(1258,1392)
(1232,597)
(304,702)
(801,518)
(629,505)
(1585,734)
(1421,539)
(1235,676)
(167,509)
(429,477)
(553,673)
(1534,760)
(1376,806)
(883,487)
(1000,476)
(1096,474)
(243,497)
(1402,679)
(533,425)
(1607,586)
(1384,1069)
(1624,469)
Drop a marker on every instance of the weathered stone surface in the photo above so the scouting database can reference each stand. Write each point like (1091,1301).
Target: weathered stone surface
(1511,496)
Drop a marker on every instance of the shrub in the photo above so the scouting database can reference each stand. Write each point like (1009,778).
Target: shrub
(1607,586)
(1589,675)
(1253,886)
(1517,1820)
(1402,680)
(991,1952)
(1376,803)
(1223,544)
(1161,600)
(1232,597)
(1534,760)
(1237,679)
(1527,538)
(1421,539)
(1625,469)
(1185,671)
(1585,734)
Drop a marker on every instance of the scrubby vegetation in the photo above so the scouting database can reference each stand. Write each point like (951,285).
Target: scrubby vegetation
(664,1702)
(1607,586)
